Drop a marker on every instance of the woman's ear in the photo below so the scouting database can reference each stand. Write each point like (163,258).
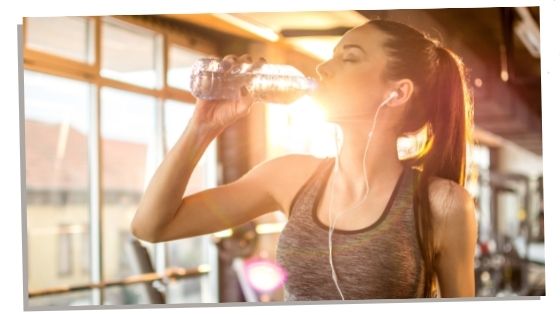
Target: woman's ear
(404,89)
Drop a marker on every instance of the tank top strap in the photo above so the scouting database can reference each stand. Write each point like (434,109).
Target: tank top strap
(325,164)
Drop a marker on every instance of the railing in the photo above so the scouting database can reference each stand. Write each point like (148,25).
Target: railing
(170,274)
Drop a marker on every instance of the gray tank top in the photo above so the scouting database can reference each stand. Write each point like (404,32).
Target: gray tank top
(381,261)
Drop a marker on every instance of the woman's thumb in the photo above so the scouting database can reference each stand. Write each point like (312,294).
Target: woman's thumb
(246,99)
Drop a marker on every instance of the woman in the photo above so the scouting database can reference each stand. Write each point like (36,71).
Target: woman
(408,227)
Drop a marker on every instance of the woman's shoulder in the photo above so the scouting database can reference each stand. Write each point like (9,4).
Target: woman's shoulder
(292,163)
(285,175)
(297,158)
(445,192)
(452,209)
(294,170)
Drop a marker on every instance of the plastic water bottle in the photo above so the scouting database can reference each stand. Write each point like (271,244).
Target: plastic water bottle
(281,84)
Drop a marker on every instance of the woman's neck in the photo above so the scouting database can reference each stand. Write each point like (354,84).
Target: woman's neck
(381,162)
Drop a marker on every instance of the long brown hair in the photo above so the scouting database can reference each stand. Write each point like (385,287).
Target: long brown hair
(442,102)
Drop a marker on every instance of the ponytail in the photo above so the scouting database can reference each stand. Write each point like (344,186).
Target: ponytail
(450,120)
(442,103)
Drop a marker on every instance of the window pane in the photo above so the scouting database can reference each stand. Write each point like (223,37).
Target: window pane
(180,62)
(57,192)
(69,37)
(177,116)
(128,294)
(129,54)
(189,252)
(185,291)
(129,155)
(67,299)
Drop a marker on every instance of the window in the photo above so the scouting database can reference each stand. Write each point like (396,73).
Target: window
(180,61)
(65,254)
(68,37)
(68,299)
(189,252)
(129,54)
(129,159)
(85,255)
(60,156)
(128,125)
(56,131)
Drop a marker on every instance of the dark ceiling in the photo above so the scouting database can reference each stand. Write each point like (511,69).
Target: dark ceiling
(486,40)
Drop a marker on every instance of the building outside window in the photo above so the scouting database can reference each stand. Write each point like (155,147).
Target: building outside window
(97,106)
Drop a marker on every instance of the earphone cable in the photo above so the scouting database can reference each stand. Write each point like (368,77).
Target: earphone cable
(365,177)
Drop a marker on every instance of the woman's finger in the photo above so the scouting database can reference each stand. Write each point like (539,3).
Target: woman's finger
(246,58)
(228,62)
(246,100)
(255,66)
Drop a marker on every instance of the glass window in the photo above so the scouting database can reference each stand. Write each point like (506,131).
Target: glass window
(184,291)
(129,294)
(77,298)
(129,159)
(177,116)
(85,257)
(57,192)
(132,145)
(180,62)
(129,54)
(189,252)
(64,251)
(68,37)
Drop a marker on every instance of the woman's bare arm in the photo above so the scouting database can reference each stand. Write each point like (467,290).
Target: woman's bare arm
(163,196)
(267,187)
(164,214)
(228,205)
(456,235)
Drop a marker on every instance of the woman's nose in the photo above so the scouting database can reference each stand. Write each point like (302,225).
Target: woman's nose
(323,70)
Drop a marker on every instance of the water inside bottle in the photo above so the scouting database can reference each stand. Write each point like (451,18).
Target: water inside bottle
(280,89)
(279,84)
(210,85)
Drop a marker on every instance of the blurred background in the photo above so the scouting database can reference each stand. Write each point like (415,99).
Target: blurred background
(107,97)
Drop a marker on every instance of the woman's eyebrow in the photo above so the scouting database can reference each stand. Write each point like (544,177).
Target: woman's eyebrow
(352,46)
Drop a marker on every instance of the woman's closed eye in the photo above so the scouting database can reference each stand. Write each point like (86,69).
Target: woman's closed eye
(350,58)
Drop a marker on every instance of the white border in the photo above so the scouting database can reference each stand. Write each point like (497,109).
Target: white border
(10,225)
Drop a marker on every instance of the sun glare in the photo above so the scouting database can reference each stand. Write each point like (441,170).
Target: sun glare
(299,128)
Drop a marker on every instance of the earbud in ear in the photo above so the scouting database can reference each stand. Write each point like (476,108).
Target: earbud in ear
(391,96)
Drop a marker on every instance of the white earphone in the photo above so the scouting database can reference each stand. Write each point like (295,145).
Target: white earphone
(391,96)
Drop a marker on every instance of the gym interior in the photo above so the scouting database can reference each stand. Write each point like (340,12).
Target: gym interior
(106,97)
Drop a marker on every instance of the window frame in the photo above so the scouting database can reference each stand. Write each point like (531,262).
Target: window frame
(58,66)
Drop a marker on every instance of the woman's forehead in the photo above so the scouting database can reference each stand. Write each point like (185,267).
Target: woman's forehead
(366,36)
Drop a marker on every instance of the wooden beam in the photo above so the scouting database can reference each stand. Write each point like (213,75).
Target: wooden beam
(215,23)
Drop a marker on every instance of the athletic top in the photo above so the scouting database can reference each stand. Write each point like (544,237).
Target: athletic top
(381,261)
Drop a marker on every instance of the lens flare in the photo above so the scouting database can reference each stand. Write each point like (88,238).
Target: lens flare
(264,275)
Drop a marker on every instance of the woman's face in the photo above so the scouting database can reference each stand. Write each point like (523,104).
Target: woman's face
(351,82)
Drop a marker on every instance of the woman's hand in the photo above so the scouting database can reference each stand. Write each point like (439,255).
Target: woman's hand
(164,213)
(216,115)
